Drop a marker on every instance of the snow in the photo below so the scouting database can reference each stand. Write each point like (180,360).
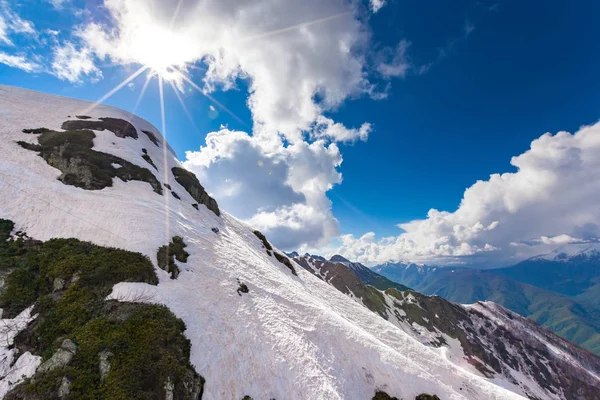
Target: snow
(11,372)
(290,337)
(568,251)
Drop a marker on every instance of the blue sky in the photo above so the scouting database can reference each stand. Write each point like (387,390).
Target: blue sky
(469,85)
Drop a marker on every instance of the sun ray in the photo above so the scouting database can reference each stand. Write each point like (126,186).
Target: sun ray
(293,27)
(116,89)
(165,162)
(211,98)
(139,100)
(185,109)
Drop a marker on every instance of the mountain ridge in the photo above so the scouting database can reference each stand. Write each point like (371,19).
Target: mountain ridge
(256,326)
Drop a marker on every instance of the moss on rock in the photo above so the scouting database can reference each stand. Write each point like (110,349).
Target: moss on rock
(72,153)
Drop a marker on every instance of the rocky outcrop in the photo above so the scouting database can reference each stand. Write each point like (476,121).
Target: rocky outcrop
(61,358)
(72,153)
(190,183)
(119,127)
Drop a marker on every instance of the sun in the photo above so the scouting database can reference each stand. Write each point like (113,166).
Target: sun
(160,50)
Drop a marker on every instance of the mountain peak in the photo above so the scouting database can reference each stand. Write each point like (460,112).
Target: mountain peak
(338,258)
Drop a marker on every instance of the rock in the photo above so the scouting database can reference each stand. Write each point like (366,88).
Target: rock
(169,387)
(104,364)
(193,385)
(75,277)
(65,388)
(61,358)
(59,284)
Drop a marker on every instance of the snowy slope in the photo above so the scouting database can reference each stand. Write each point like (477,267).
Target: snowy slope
(290,337)
(483,337)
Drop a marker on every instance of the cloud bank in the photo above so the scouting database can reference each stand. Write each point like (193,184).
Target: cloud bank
(551,200)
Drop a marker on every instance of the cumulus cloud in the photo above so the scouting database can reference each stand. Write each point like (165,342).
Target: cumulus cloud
(326,128)
(19,61)
(72,64)
(279,189)
(551,200)
(299,58)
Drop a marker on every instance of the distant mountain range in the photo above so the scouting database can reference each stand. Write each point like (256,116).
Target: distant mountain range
(483,337)
(560,291)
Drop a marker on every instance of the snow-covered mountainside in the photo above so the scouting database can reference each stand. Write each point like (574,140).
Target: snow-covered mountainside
(258,325)
(569,252)
(484,337)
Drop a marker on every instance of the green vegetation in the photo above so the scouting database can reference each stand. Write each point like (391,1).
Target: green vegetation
(264,240)
(152,137)
(146,157)
(189,181)
(119,127)
(167,254)
(71,152)
(146,343)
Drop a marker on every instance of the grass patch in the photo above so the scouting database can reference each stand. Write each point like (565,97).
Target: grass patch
(167,255)
(71,152)
(189,181)
(119,127)
(146,341)
(152,137)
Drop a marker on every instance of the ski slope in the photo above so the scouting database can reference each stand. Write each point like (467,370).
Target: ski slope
(290,337)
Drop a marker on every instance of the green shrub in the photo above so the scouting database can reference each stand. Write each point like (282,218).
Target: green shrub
(146,341)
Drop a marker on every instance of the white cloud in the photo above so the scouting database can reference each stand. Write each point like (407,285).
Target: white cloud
(394,62)
(376,5)
(58,4)
(72,64)
(326,128)
(551,200)
(19,61)
(12,23)
(279,190)
(300,58)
